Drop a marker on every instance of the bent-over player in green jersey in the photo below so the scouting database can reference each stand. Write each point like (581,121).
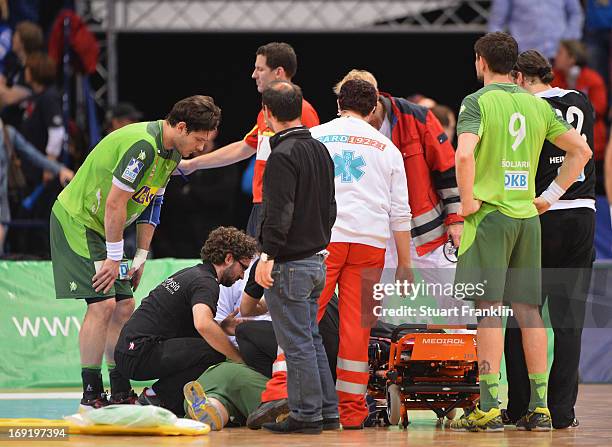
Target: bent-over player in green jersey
(121,181)
(501,130)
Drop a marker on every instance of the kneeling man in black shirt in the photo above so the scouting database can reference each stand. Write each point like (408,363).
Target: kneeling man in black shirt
(173,336)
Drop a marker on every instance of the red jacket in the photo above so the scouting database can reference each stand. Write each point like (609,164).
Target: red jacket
(591,84)
(429,161)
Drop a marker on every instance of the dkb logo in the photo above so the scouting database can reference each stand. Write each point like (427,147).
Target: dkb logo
(516,180)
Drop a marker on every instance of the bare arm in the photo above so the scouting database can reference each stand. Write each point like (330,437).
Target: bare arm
(578,153)
(465,166)
(227,155)
(210,331)
(252,307)
(116,213)
(13,95)
(114,221)
(144,235)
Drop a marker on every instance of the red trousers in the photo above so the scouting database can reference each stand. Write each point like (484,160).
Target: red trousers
(345,268)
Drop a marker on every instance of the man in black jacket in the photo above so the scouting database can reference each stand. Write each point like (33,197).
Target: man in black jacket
(299,210)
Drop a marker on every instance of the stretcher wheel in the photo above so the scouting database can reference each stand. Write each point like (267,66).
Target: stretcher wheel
(394,404)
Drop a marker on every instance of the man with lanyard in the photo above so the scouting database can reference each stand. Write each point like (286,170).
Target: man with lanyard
(121,181)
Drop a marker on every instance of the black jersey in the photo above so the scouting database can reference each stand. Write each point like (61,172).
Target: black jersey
(168,310)
(577,110)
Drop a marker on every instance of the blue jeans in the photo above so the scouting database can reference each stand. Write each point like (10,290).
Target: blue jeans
(293,304)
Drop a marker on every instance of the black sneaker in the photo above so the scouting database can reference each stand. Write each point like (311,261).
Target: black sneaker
(506,418)
(291,425)
(331,424)
(267,412)
(93,402)
(143,399)
(536,420)
(575,423)
(124,398)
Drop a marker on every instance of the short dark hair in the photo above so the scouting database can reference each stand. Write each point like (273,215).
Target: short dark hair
(576,51)
(534,65)
(500,50)
(279,54)
(42,68)
(197,112)
(227,240)
(283,99)
(31,36)
(358,96)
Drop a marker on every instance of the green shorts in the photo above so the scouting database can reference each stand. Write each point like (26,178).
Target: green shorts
(76,252)
(236,386)
(501,256)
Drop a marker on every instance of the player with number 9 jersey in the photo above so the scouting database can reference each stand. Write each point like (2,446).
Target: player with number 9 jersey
(512,125)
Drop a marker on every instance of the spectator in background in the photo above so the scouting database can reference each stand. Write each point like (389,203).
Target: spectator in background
(27,39)
(10,141)
(122,114)
(571,73)
(538,24)
(447,118)
(43,125)
(598,36)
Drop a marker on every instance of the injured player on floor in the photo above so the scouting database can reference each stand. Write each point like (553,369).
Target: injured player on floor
(226,393)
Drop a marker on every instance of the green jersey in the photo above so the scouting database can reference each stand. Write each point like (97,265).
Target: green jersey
(134,159)
(512,125)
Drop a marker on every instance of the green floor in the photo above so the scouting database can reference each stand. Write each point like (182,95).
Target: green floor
(38,408)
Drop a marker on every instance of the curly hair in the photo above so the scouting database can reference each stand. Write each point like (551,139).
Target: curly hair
(358,96)
(227,240)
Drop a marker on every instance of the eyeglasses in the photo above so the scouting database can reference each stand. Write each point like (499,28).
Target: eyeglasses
(244,267)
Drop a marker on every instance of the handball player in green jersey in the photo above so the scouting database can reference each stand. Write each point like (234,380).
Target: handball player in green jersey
(122,181)
(501,130)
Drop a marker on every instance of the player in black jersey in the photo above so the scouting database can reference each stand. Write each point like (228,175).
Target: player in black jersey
(568,229)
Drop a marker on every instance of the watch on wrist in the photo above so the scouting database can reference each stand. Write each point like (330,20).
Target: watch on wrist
(265,258)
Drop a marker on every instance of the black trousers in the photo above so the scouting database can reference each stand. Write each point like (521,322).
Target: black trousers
(258,347)
(567,259)
(254,222)
(172,362)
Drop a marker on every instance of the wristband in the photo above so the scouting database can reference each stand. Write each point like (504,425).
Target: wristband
(114,250)
(552,193)
(139,258)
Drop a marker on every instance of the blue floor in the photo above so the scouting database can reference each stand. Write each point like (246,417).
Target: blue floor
(38,408)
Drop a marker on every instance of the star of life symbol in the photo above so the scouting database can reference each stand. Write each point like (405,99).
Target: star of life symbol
(348,166)
(73,286)
(131,347)
(142,155)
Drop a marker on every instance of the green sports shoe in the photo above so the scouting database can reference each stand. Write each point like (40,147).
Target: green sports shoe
(198,407)
(478,420)
(536,420)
